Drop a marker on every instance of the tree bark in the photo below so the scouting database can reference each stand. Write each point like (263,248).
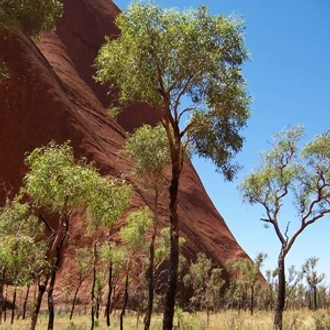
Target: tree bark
(280,303)
(108,304)
(93,297)
(252,300)
(25,302)
(81,280)
(14,306)
(41,291)
(174,252)
(56,258)
(122,314)
(150,272)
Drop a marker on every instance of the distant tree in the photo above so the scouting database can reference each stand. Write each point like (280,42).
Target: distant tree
(198,277)
(187,67)
(213,289)
(247,275)
(286,173)
(83,260)
(313,279)
(250,272)
(133,236)
(149,148)
(293,279)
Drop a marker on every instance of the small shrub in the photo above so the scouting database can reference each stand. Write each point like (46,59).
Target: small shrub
(322,321)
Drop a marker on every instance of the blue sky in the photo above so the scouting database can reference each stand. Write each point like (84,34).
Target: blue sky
(288,74)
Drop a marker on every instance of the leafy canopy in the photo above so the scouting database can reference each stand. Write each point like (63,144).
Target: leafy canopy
(187,66)
(31,16)
(290,171)
(57,182)
(22,243)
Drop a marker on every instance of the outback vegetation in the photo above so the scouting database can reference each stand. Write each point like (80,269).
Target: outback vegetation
(202,106)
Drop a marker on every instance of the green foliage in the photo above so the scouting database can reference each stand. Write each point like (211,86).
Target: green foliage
(285,172)
(149,148)
(84,262)
(58,182)
(206,283)
(188,321)
(54,179)
(322,321)
(134,232)
(164,56)
(22,245)
(31,16)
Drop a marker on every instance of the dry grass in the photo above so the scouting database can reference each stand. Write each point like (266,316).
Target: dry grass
(229,320)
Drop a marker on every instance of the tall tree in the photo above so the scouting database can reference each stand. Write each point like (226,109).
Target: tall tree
(187,67)
(287,173)
(149,148)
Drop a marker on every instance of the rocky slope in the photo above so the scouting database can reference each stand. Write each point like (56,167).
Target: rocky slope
(51,95)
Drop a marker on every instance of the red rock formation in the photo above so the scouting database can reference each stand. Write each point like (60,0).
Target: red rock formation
(51,95)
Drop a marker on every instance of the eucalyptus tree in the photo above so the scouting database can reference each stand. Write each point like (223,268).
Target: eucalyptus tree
(84,261)
(22,247)
(111,259)
(213,289)
(250,275)
(198,277)
(187,67)
(288,173)
(149,148)
(313,279)
(294,277)
(133,236)
(55,184)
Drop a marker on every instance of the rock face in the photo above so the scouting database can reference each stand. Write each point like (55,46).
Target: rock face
(51,95)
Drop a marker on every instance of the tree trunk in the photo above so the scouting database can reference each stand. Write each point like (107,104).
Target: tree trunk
(14,306)
(174,252)
(108,304)
(25,302)
(93,298)
(56,258)
(81,280)
(41,291)
(314,297)
(51,313)
(122,314)
(252,300)
(150,272)
(2,298)
(280,303)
